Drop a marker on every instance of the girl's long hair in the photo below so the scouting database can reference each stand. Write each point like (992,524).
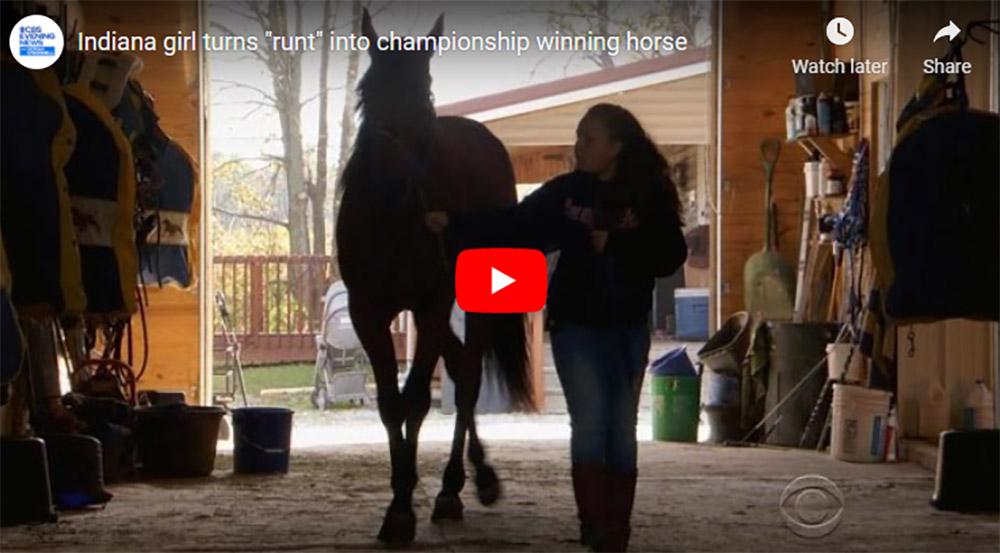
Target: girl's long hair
(640,166)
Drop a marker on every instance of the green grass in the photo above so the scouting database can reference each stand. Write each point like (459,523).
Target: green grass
(275,377)
(278,376)
(271,377)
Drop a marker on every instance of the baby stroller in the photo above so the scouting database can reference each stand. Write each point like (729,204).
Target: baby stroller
(338,354)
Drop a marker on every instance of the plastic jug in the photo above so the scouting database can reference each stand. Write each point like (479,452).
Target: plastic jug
(790,130)
(978,412)
(934,412)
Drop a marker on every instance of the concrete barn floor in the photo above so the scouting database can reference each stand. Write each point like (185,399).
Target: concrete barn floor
(690,497)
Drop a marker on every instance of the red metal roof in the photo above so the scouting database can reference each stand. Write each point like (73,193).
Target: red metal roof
(576,82)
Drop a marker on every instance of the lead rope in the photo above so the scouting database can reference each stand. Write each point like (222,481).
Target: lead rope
(412,184)
(438,236)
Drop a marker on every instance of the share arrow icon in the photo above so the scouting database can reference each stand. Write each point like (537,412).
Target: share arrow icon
(951,31)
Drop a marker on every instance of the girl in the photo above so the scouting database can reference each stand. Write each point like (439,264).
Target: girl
(615,220)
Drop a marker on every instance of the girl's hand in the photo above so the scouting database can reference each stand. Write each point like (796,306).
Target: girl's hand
(629,220)
(437,221)
(600,239)
(584,215)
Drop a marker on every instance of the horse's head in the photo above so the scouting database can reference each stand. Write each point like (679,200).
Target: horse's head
(395,92)
(394,97)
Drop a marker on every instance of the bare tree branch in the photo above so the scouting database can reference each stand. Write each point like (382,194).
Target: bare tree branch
(255,110)
(298,17)
(568,61)
(251,217)
(259,15)
(236,161)
(229,85)
(320,93)
(534,70)
(250,174)
(258,103)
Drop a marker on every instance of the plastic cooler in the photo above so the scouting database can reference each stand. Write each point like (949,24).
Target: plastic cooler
(691,312)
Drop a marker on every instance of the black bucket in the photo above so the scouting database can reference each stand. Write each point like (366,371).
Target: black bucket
(796,349)
(968,466)
(76,470)
(25,491)
(177,440)
(724,420)
(262,440)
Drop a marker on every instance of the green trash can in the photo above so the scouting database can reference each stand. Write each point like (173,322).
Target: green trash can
(676,403)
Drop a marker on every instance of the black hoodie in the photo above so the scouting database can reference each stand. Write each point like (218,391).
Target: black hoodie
(590,288)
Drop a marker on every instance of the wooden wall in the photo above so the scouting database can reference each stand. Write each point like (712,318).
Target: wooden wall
(953,353)
(173,315)
(537,164)
(758,38)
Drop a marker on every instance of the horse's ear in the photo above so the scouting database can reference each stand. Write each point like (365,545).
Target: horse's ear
(367,29)
(438,27)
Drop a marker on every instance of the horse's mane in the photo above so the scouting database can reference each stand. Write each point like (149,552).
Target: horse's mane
(373,90)
(405,110)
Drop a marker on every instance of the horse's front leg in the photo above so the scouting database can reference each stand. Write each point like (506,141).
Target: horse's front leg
(432,327)
(372,327)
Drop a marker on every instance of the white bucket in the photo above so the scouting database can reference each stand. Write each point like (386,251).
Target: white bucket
(860,417)
(836,357)
(813,175)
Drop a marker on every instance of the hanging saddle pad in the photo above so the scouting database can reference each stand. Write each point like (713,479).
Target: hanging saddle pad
(101,177)
(942,218)
(167,194)
(38,138)
(168,252)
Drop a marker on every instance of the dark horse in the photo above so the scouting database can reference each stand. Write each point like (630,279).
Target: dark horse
(406,161)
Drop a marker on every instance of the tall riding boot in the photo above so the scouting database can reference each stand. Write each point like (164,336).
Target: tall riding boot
(589,488)
(617,525)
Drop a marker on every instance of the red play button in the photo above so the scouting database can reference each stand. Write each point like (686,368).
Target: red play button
(501,280)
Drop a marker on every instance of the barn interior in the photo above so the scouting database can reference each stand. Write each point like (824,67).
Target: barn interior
(179,366)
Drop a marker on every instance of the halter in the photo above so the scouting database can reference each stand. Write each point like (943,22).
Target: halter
(417,168)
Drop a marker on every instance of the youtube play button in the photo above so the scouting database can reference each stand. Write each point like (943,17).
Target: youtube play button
(501,280)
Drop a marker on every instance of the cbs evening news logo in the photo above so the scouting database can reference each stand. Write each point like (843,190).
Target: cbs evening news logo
(36,42)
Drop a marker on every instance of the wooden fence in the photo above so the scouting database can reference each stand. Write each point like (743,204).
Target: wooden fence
(275,304)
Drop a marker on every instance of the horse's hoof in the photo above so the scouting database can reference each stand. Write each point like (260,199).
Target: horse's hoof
(488,486)
(447,507)
(398,527)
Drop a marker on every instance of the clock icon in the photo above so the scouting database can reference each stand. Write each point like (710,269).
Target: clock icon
(840,31)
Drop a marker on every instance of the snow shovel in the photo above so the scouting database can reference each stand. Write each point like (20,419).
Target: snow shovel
(769,279)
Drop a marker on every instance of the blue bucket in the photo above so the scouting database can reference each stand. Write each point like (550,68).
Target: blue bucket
(673,363)
(262,439)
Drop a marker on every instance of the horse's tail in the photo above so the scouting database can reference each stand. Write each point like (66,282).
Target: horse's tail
(509,344)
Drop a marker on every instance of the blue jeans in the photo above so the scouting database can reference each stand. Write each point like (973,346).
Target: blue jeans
(601,373)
